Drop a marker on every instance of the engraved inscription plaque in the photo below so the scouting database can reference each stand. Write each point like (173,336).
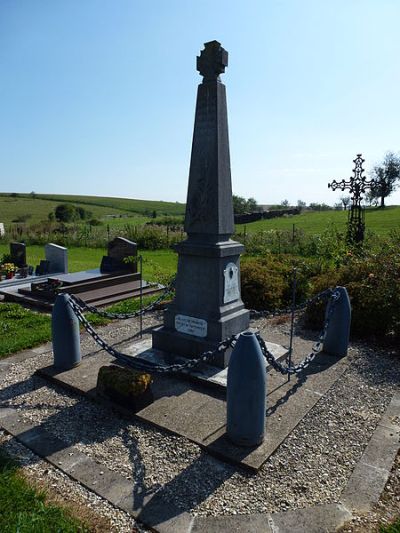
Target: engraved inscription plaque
(191,325)
(231,283)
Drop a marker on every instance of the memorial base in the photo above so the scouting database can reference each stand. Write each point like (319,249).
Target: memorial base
(170,340)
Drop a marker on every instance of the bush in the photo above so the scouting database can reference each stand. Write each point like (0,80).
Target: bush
(267,283)
(373,284)
(261,288)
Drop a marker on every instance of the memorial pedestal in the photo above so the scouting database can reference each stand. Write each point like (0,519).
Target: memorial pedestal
(207,308)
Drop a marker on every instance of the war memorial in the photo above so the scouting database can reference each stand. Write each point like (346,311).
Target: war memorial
(215,386)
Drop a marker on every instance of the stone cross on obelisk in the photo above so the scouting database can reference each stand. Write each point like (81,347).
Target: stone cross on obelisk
(207,307)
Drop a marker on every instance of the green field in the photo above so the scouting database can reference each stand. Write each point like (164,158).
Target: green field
(12,208)
(381,221)
(133,212)
(42,204)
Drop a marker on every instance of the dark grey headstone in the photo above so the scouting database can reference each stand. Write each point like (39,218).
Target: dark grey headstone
(119,249)
(18,253)
(43,268)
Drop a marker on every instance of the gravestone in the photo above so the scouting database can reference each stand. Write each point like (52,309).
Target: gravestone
(119,249)
(57,256)
(43,268)
(2,230)
(18,254)
(207,307)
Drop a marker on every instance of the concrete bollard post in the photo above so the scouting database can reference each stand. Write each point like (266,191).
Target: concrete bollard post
(246,392)
(337,337)
(65,334)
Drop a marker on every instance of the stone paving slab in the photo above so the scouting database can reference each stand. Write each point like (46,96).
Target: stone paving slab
(371,473)
(316,519)
(199,414)
(363,488)
(255,523)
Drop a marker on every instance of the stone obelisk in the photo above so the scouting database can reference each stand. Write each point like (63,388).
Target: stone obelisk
(207,307)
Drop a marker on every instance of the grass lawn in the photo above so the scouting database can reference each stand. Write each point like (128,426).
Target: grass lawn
(21,328)
(24,510)
(392,528)
(381,221)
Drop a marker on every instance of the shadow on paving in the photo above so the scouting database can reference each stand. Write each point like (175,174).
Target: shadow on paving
(152,504)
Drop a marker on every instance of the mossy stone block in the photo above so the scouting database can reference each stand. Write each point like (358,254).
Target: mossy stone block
(125,386)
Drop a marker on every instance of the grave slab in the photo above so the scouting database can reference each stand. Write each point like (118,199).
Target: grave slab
(195,411)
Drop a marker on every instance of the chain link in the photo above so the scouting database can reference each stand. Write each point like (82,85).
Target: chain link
(123,316)
(145,366)
(207,356)
(316,348)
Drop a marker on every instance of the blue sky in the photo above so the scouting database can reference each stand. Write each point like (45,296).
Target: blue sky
(98,96)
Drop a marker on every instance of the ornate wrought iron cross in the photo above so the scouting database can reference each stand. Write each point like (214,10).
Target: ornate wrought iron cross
(356,185)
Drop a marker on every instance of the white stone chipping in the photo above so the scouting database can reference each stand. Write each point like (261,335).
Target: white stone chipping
(312,465)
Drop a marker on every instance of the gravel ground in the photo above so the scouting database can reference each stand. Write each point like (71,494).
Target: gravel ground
(312,466)
(68,493)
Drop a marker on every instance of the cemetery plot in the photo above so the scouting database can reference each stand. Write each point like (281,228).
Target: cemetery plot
(116,279)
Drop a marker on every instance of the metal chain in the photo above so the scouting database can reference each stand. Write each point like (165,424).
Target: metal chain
(316,348)
(278,312)
(205,357)
(122,316)
(142,365)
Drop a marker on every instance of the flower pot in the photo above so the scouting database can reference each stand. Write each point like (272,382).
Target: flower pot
(9,275)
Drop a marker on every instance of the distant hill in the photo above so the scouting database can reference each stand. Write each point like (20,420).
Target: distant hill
(38,206)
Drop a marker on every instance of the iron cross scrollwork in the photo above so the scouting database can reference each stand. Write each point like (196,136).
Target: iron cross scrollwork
(357,185)
(212,61)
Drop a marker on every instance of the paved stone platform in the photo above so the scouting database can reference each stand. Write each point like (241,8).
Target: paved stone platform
(194,411)
(362,492)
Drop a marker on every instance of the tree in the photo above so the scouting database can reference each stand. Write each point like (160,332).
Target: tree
(82,213)
(345,201)
(285,203)
(315,206)
(65,213)
(251,204)
(371,199)
(386,175)
(301,204)
(241,205)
